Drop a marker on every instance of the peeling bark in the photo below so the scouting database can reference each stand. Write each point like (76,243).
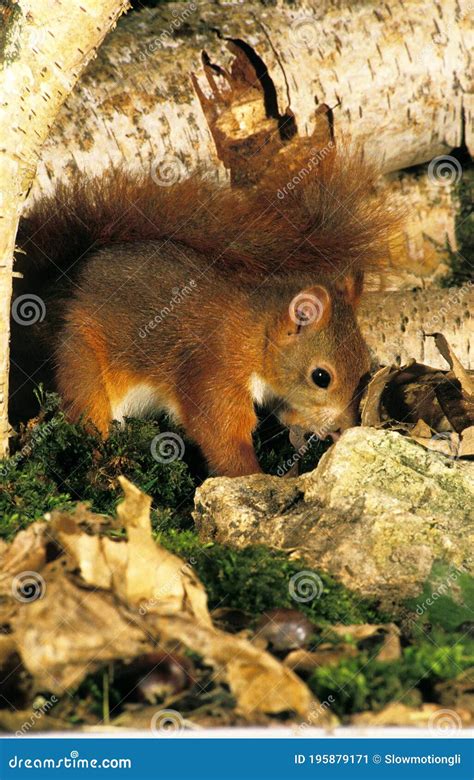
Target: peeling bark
(400,80)
(403,76)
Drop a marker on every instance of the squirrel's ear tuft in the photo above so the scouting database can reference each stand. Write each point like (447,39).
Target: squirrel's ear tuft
(351,286)
(310,308)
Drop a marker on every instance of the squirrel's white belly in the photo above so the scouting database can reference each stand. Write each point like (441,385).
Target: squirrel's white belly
(142,400)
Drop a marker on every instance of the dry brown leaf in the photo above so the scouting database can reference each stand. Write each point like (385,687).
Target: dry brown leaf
(466,380)
(371,406)
(71,632)
(104,600)
(466,445)
(397,714)
(26,553)
(305,661)
(421,430)
(446,443)
(259,681)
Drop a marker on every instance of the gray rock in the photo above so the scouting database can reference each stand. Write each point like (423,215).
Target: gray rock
(376,513)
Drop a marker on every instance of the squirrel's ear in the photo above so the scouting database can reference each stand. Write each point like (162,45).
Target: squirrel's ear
(351,286)
(310,308)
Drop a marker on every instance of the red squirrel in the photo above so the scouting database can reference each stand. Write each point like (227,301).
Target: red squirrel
(203,301)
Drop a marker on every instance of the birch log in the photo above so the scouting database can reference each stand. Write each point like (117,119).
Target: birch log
(44,49)
(402,72)
(397,325)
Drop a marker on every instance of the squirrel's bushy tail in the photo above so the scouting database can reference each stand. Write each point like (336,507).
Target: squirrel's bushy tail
(330,218)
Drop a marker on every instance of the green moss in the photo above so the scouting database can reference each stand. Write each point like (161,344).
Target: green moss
(57,463)
(363,683)
(447,598)
(11,14)
(257,579)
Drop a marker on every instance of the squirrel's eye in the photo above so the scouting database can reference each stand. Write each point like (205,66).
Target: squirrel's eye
(321,377)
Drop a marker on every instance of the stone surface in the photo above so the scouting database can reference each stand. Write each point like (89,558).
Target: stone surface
(376,513)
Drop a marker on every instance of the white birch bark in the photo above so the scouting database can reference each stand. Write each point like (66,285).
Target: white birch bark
(45,47)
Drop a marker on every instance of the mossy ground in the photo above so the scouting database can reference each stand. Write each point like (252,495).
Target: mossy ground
(55,464)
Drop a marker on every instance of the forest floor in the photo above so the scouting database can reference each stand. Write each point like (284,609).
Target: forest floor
(57,464)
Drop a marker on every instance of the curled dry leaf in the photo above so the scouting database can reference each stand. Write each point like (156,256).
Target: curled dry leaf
(26,553)
(433,407)
(105,599)
(371,415)
(466,380)
(305,661)
(466,445)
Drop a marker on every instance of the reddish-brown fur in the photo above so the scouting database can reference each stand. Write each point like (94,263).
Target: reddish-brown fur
(249,254)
